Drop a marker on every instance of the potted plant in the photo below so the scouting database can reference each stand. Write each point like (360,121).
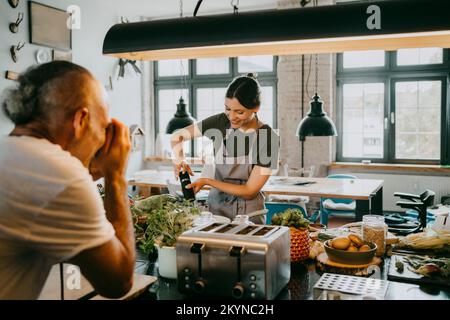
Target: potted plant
(158,221)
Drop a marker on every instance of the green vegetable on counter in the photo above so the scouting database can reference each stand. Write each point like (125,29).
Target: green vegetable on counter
(290,218)
(429,267)
(399,266)
(160,219)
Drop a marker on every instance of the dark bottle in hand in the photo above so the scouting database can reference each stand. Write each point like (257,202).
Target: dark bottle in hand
(185,180)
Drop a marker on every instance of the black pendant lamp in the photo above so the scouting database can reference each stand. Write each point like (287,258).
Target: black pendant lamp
(363,25)
(181,119)
(316,123)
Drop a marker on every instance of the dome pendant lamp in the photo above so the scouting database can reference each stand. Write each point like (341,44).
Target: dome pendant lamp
(316,123)
(181,119)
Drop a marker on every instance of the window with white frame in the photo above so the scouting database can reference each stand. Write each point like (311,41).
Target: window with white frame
(202,83)
(393,107)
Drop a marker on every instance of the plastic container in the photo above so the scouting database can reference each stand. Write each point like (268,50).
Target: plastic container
(167,262)
(204,218)
(374,229)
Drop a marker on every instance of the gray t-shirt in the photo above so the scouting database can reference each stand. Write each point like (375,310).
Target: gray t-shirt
(50,211)
(264,147)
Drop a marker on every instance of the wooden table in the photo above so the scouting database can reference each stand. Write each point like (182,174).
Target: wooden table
(367,193)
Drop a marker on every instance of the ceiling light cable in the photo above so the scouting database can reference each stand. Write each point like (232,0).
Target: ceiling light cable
(199,2)
(235,5)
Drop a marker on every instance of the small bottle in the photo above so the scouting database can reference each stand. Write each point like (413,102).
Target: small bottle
(186,180)
(374,230)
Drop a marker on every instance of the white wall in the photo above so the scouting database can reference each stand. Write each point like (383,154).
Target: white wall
(96,18)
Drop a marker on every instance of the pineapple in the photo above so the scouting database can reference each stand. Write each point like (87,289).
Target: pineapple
(299,244)
(298,225)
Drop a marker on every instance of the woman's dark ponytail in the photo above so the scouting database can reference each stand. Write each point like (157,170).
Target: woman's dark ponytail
(246,90)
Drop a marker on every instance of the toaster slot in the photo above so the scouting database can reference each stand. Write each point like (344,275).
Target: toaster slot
(263,231)
(246,230)
(211,226)
(226,228)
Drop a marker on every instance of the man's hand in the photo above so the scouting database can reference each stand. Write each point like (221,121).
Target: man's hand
(109,267)
(112,158)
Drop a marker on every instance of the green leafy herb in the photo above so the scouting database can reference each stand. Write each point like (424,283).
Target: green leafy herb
(160,219)
(290,218)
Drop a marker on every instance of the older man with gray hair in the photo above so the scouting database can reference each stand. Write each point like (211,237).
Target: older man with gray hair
(50,209)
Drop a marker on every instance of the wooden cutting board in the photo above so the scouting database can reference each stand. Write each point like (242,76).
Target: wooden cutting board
(411,277)
(326,265)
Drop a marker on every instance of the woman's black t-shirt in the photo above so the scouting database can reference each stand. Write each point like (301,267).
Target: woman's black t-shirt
(266,151)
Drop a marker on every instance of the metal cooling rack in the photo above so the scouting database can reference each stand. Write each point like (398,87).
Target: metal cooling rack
(353,285)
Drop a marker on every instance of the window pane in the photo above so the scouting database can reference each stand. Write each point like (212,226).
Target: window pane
(418,123)
(213,66)
(210,101)
(255,64)
(173,68)
(167,103)
(420,56)
(363,115)
(265,113)
(364,59)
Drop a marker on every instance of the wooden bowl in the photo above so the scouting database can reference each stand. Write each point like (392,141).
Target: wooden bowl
(348,257)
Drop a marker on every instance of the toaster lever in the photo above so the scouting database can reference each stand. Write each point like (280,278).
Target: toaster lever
(198,248)
(238,289)
(237,251)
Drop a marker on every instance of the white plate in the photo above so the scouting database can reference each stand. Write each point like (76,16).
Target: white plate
(42,56)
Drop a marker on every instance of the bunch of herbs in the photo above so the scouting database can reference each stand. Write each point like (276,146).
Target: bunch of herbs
(160,220)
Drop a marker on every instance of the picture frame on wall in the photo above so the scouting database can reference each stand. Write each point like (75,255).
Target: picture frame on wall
(48,26)
(62,55)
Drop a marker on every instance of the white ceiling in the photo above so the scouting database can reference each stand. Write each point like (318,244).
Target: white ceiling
(171,8)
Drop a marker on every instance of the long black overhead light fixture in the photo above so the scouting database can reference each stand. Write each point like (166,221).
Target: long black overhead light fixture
(369,25)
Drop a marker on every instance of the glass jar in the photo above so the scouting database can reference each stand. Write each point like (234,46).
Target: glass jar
(374,230)
(204,218)
(242,219)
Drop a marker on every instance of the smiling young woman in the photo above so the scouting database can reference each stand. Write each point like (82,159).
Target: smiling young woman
(245,149)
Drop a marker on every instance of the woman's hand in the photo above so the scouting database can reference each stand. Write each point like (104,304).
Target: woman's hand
(198,184)
(182,165)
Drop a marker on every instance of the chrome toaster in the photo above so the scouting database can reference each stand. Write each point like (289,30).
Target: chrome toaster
(243,261)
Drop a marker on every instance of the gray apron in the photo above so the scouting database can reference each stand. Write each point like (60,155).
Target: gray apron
(235,170)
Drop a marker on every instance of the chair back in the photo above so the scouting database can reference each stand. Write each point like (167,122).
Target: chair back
(340,176)
(427,197)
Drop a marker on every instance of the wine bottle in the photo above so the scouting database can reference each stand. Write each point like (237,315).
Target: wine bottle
(185,180)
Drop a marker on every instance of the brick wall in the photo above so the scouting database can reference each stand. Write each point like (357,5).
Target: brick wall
(318,151)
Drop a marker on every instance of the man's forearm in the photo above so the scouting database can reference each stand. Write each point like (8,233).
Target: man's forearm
(118,210)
